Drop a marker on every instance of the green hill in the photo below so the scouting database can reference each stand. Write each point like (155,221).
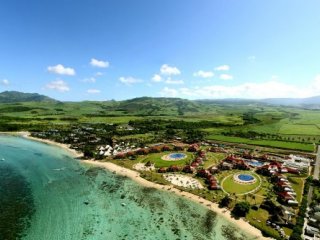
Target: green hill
(158,106)
(14,97)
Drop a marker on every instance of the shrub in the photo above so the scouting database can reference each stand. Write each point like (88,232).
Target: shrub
(224,202)
(241,209)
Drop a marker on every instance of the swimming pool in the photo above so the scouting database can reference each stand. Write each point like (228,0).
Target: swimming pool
(177,156)
(174,156)
(254,163)
(244,178)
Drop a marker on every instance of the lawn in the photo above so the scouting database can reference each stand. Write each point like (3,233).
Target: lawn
(156,159)
(267,143)
(142,137)
(258,218)
(300,129)
(297,185)
(214,159)
(232,187)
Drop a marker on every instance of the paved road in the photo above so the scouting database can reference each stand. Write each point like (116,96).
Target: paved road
(317,165)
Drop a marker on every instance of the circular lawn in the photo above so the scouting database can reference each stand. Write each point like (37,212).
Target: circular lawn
(231,186)
(156,159)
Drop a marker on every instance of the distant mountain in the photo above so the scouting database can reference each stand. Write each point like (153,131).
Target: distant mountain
(293,101)
(311,102)
(157,106)
(14,96)
(166,106)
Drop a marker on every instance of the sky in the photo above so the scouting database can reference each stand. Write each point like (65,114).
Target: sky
(194,49)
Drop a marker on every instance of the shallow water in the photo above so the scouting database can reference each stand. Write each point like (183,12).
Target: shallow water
(59,198)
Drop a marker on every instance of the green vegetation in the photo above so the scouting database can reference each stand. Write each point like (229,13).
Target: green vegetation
(267,143)
(258,218)
(13,97)
(213,159)
(156,119)
(297,185)
(241,209)
(156,158)
(232,187)
(298,228)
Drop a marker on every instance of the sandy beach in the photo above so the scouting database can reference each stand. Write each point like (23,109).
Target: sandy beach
(212,206)
(61,145)
(134,175)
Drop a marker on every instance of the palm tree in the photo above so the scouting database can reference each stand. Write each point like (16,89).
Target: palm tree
(246,197)
(254,198)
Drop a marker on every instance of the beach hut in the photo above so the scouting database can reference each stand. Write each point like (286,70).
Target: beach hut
(285,197)
(162,170)
(193,148)
(203,173)
(165,148)
(188,169)
(173,168)
(195,164)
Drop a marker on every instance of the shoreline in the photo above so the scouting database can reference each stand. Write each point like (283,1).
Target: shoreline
(135,176)
(27,135)
(243,225)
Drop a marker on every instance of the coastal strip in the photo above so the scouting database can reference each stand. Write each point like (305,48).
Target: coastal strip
(245,226)
(134,175)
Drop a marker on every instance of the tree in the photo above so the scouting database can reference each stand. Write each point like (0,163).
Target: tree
(88,152)
(295,236)
(241,209)
(224,202)
(254,198)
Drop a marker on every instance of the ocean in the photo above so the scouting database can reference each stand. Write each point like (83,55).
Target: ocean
(46,194)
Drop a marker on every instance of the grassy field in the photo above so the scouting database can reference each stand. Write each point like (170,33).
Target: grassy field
(267,143)
(297,185)
(258,219)
(144,137)
(296,127)
(213,159)
(299,129)
(156,159)
(232,187)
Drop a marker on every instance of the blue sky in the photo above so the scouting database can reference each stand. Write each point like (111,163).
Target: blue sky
(102,49)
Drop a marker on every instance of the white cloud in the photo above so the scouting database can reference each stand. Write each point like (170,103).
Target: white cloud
(93,91)
(203,74)
(226,77)
(98,63)
(89,80)
(129,80)
(222,68)
(171,81)
(156,78)
(4,82)
(250,90)
(169,70)
(61,70)
(168,92)
(98,74)
(58,85)
(269,89)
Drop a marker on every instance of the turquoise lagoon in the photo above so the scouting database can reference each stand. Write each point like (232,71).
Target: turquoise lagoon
(46,194)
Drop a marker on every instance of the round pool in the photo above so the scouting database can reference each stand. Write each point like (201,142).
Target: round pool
(244,178)
(174,156)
